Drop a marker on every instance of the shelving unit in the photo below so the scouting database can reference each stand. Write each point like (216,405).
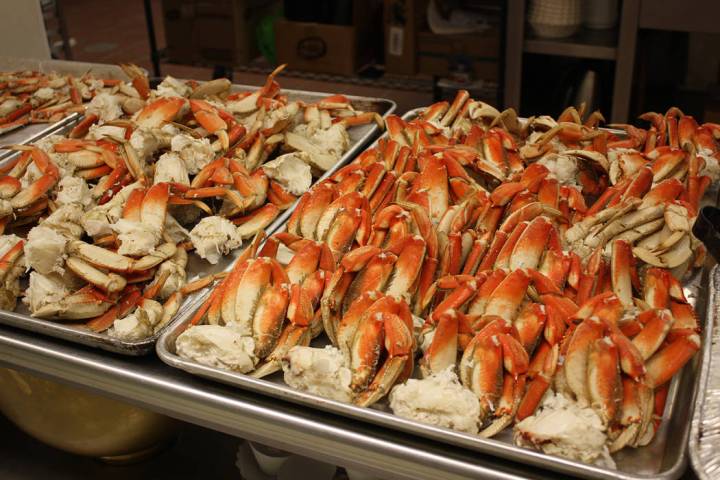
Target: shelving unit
(616,45)
(597,44)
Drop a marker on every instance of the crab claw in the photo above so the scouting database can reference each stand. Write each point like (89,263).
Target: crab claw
(530,246)
(379,329)
(209,118)
(539,385)
(138,77)
(670,359)
(481,370)
(604,378)
(577,359)
(506,299)
(442,352)
(160,111)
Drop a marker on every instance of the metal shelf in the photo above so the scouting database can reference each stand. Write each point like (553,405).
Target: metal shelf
(596,44)
(149,383)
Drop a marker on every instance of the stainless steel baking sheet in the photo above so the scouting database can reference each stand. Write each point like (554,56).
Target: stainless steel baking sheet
(35,131)
(360,136)
(664,458)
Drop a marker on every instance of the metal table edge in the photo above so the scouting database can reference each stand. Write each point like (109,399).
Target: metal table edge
(150,384)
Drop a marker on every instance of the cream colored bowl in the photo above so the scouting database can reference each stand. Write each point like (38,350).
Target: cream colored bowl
(80,422)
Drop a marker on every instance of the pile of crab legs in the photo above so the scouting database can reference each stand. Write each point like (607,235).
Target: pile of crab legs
(453,236)
(36,97)
(116,283)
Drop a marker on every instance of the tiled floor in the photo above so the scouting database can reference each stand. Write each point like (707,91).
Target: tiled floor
(114,31)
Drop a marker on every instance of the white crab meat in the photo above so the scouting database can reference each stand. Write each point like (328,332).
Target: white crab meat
(74,190)
(195,152)
(45,250)
(136,238)
(176,232)
(325,146)
(292,171)
(99,132)
(561,427)
(146,142)
(88,86)
(320,371)
(438,400)
(43,94)
(618,168)
(217,346)
(106,107)
(45,246)
(171,168)
(175,266)
(284,115)
(66,220)
(172,87)
(9,105)
(138,325)
(213,237)
(563,168)
(44,289)
(712,167)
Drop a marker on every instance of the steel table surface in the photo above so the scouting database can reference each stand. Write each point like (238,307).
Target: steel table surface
(149,383)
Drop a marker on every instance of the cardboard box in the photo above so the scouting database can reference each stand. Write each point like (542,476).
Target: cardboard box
(325,48)
(218,32)
(440,55)
(403,19)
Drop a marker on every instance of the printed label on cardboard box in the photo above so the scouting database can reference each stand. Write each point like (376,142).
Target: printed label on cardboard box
(311,48)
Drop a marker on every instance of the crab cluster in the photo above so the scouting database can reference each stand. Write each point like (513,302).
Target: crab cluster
(530,257)
(35,97)
(109,213)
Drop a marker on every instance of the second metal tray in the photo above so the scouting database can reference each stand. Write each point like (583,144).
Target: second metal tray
(360,136)
(664,458)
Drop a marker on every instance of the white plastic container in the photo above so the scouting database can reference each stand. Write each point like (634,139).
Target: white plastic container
(554,18)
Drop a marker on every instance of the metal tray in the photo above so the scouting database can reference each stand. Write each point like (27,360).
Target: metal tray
(704,439)
(35,131)
(360,136)
(664,458)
